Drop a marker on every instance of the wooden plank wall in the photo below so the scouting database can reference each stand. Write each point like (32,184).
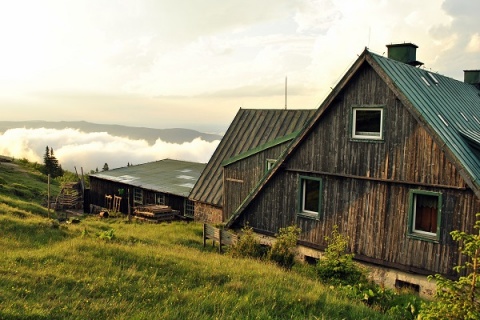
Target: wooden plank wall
(366,184)
(242,176)
(100,187)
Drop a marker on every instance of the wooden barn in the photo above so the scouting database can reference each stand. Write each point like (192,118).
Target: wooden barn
(166,182)
(259,135)
(392,157)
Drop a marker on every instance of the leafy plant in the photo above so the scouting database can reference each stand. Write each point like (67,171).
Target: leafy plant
(282,251)
(336,265)
(247,245)
(107,235)
(458,299)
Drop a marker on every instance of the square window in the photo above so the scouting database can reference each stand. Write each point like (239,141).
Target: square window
(367,123)
(425,209)
(310,196)
(189,208)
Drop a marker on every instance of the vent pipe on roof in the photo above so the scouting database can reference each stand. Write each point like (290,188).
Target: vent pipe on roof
(472,77)
(404,52)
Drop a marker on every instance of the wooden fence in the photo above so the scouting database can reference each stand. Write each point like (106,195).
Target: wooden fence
(223,237)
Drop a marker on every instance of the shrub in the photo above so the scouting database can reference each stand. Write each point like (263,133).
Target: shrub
(458,299)
(282,251)
(337,266)
(247,245)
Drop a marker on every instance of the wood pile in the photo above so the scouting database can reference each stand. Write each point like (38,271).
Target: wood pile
(155,213)
(70,197)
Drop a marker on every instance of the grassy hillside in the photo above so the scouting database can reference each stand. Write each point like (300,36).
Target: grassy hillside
(20,179)
(113,269)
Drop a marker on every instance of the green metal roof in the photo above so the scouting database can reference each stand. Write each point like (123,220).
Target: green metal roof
(249,129)
(167,176)
(450,107)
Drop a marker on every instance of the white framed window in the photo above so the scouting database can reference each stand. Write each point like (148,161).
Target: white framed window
(425,214)
(310,190)
(189,208)
(367,123)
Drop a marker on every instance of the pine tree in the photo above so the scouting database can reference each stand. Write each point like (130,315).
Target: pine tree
(52,167)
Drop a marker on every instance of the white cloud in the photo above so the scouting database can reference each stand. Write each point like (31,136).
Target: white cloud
(474,44)
(186,49)
(74,148)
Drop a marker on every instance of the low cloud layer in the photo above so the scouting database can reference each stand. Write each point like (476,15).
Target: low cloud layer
(89,151)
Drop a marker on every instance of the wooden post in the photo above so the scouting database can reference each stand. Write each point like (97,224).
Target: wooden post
(48,195)
(129,208)
(219,240)
(204,234)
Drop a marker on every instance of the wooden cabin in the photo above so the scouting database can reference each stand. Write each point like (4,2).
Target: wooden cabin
(392,157)
(259,133)
(166,182)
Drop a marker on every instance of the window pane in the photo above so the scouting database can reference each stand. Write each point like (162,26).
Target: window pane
(311,196)
(426,213)
(367,122)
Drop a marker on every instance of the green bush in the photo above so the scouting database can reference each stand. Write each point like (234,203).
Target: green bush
(458,299)
(247,245)
(337,266)
(283,250)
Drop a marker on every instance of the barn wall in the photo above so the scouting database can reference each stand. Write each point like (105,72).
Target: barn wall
(366,184)
(239,178)
(100,187)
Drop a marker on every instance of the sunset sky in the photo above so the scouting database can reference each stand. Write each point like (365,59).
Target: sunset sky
(193,64)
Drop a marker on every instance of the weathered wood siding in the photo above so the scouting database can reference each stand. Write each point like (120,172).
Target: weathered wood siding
(239,178)
(366,184)
(101,187)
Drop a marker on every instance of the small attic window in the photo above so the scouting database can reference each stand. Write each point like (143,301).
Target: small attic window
(367,123)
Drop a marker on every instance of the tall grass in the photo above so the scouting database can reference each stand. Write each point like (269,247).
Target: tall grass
(111,269)
(148,272)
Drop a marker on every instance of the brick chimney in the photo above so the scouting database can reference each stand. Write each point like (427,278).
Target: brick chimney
(472,77)
(404,52)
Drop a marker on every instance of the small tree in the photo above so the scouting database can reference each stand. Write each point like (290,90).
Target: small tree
(458,299)
(337,265)
(105,167)
(282,251)
(52,167)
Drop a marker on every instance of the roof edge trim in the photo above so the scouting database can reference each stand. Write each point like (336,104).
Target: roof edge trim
(261,148)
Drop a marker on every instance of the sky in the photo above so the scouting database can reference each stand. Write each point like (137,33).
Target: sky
(193,64)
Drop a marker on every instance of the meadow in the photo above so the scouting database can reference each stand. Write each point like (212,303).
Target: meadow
(116,269)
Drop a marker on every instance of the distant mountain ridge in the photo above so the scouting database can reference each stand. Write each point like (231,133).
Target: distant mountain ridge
(173,135)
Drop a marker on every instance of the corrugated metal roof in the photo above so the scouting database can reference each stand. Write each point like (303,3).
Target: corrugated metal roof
(448,106)
(167,176)
(250,129)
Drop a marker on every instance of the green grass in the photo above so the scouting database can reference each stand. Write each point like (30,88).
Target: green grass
(111,269)
(147,271)
(21,179)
